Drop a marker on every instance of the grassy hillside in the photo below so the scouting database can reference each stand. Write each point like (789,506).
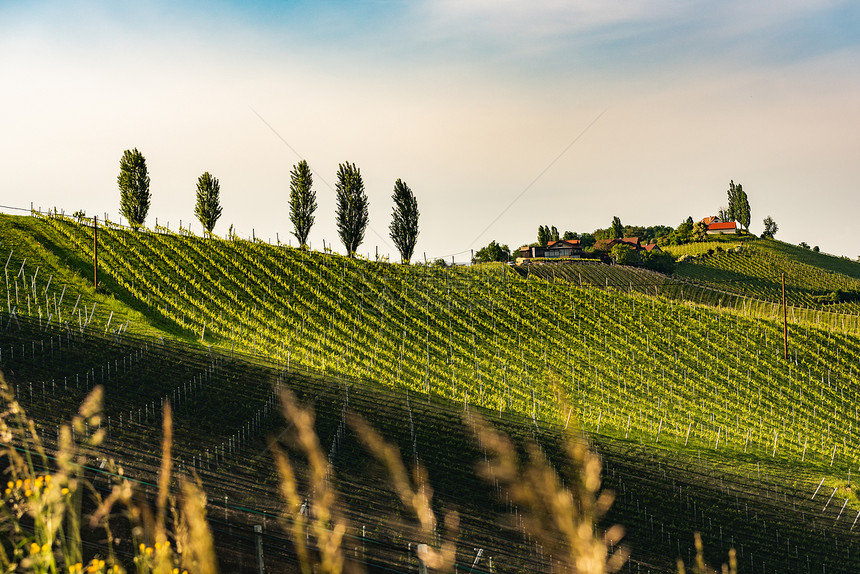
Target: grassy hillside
(685,389)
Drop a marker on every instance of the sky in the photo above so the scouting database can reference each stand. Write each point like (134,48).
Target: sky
(500,115)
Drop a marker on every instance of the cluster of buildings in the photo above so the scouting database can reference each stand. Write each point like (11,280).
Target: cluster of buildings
(572,248)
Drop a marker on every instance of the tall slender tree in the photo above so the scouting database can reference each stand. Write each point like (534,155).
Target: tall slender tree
(730,213)
(303,201)
(404,220)
(208,208)
(617,228)
(742,208)
(543,236)
(352,211)
(133,181)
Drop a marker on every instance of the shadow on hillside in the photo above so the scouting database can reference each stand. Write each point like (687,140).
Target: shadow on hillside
(83,268)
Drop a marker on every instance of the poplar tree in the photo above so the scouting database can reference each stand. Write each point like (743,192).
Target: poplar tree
(739,205)
(404,221)
(133,182)
(543,236)
(730,212)
(617,228)
(352,212)
(742,210)
(303,201)
(208,208)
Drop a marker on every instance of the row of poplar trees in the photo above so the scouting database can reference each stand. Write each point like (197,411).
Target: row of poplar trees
(351,213)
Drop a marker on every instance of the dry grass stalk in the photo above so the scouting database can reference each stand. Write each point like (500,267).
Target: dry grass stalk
(563,518)
(40,510)
(154,551)
(198,548)
(326,527)
(700,567)
(416,496)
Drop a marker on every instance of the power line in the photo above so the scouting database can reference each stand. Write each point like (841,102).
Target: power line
(543,171)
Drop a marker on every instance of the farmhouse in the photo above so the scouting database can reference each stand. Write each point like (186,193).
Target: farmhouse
(563,248)
(569,248)
(720,227)
(717,226)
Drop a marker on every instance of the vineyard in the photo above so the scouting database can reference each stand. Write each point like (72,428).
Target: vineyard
(752,295)
(664,495)
(756,271)
(692,406)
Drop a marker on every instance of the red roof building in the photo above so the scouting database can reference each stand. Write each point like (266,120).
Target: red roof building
(722,227)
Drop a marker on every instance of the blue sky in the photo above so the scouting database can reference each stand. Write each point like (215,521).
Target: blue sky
(467,101)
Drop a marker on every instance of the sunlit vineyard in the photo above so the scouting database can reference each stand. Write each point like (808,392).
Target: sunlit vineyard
(632,361)
(750,303)
(631,365)
(223,412)
(756,271)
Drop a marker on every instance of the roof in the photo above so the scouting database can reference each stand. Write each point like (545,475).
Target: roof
(722,225)
(711,219)
(563,243)
(649,247)
(606,244)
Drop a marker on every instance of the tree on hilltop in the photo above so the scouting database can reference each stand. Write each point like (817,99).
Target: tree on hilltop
(352,207)
(546,234)
(404,221)
(133,182)
(303,201)
(542,236)
(623,254)
(739,205)
(492,252)
(208,208)
(742,209)
(699,231)
(770,228)
(616,229)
